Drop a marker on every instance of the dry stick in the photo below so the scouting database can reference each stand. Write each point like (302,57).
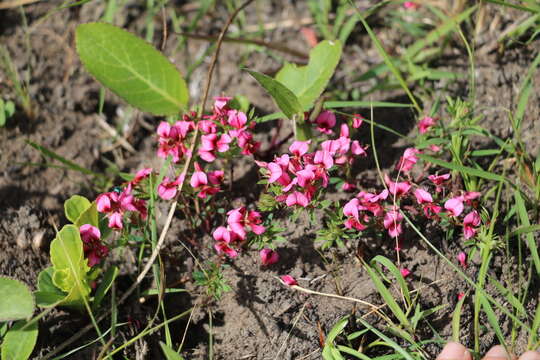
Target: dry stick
(155,253)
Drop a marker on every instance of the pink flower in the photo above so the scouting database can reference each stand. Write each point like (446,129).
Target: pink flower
(168,189)
(210,143)
(325,122)
(438,180)
(198,178)
(324,158)
(422,196)
(454,206)
(434,148)
(460,296)
(471,221)
(347,186)
(426,123)
(141,174)
(408,160)
(397,188)
(94,251)
(392,222)
(240,218)
(246,142)
(237,119)
(405,272)
(268,257)
(470,195)
(89,233)
(357,121)
(222,247)
(115,204)
(224,238)
(207,126)
(220,104)
(289,280)
(297,198)
(299,148)
(223,234)
(462,258)
(171,139)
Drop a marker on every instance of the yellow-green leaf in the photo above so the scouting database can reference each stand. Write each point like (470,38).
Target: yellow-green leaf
(131,68)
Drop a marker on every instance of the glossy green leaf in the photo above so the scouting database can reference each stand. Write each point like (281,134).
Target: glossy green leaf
(131,68)
(308,82)
(48,295)
(284,98)
(169,353)
(19,341)
(75,206)
(70,266)
(16,300)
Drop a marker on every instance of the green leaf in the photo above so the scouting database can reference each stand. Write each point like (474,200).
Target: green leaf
(88,216)
(48,295)
(75,206)
(525,222)
(169,353)
(464,169)
(397,274)
(19,341)
(16,300)
(387,296)
(308,82)
(70,266)
(284,98)
(105,285)
(389,342)
(131,68)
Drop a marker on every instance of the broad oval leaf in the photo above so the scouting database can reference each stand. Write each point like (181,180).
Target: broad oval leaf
(88,216)
(70,266)
(131,68)
(308,82)
(19,341)
(75,206)
(284,98)
(16,301)
(48,295)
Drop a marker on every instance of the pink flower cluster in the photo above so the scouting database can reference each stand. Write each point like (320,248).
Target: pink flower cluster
(368,207)
(171,138)
(240,222)
(221,128)
(120,201)
(301,173)
(94,251)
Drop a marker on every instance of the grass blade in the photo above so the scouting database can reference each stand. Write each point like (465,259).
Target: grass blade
(524,220)
(388,341)
(437,33)
(387,59)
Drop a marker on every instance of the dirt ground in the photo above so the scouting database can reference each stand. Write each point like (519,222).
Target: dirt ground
(259,319)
